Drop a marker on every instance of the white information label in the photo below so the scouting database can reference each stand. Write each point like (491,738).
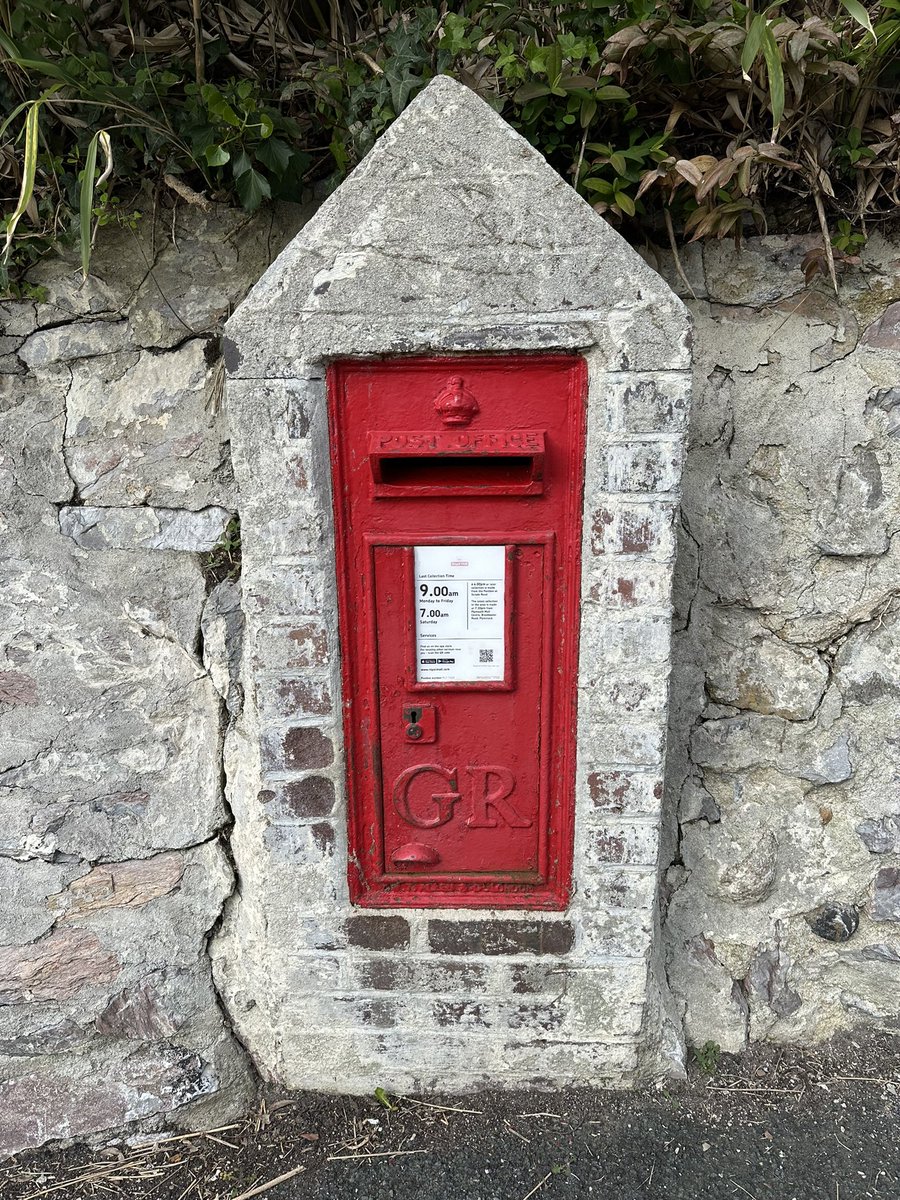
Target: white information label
(459,602)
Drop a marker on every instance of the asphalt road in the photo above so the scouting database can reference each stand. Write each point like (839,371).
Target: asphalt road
(778,1124)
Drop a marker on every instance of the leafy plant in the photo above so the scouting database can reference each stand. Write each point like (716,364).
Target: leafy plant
(224,560)
(692,118)
(706,1057)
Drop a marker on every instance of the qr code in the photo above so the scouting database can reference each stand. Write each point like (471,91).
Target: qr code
(486,656)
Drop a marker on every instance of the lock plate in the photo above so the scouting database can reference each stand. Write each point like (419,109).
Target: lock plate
(420,722)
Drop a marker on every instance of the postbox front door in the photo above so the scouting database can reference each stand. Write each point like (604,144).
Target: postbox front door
(458,491)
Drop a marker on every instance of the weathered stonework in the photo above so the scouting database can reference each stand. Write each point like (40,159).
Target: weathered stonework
(428,248)
(114,468)
(118,672)
(782,809)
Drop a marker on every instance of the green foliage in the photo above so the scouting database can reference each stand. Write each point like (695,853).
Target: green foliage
(224,560)
(701,116)
(847,240)
(706,1057)
(384,1099)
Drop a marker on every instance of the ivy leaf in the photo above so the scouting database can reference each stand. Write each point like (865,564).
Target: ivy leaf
(217,156)
(252,189)
(571,82)
(275,154)
(265,125)
(218,106)
(241,164)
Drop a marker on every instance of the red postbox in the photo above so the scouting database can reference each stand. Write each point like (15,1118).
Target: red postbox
(458,494)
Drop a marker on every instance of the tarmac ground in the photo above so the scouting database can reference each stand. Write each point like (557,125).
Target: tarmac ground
(777,1123)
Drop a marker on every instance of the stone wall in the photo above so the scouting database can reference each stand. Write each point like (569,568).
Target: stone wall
(115,683)
(114,863)
(784,758)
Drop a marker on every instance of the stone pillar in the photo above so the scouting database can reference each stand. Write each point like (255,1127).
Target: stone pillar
(453,236)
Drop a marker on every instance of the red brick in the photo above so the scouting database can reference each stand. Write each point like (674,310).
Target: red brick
(303,798)
(460,1012)
(306,697)
(304,748)
(500,937)
(310,645)
(610,848)
(297,472)
(609,790)
(377,933)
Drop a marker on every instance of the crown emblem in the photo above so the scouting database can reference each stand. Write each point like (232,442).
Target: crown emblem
(455,403)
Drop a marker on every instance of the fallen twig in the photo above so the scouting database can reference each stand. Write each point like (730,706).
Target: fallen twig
(537,1187)
(187,193)
(743,1189)
(865,1079)
(516,1133)
(221,1141)
(714,1087)
(370,1154)
(267,1187)
(475,1112)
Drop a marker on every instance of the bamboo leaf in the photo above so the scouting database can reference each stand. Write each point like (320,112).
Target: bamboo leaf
(29,170)
(859,14)
(86,202)
(40,65)
(776,76)
(717,178)
(25,103)
(752,44)
(12,116)
(106,147)
(688,170)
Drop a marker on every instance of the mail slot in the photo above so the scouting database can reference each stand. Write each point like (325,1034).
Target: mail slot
(457,464)
(458,494)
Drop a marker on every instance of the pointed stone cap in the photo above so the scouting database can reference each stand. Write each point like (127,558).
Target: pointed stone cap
(454,234)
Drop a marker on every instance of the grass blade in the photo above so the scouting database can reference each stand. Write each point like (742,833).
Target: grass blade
(29,170)
(86,202)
